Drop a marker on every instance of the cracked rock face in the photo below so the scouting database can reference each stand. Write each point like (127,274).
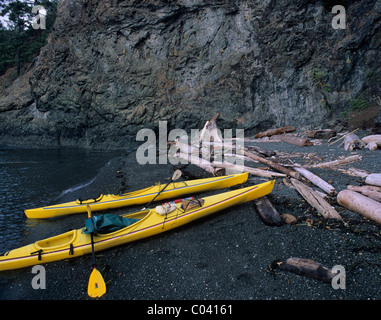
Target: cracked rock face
(113,67)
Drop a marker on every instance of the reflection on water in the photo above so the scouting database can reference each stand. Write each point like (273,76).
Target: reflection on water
(34,178)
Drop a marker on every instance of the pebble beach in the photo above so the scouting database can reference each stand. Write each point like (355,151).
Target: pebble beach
(227,256)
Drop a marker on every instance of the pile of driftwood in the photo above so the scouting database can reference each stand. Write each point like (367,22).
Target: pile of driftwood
(366,199)
(351,141)
(210,155)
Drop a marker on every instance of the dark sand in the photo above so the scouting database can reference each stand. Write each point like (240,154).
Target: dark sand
(225,256)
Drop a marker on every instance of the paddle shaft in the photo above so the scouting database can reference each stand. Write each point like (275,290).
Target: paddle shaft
(158,194)
(92,235)
(92,248)
(96,286)
(176,175)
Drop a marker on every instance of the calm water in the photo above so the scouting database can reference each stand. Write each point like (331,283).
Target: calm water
(34,178)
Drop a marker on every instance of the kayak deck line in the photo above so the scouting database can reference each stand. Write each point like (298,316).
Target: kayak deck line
(144,195)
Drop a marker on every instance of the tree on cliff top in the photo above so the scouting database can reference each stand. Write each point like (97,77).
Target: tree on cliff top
(19,41)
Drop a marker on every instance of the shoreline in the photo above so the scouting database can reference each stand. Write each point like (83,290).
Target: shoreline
(225,256)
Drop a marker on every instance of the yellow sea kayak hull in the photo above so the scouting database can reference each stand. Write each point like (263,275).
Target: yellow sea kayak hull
(113,201)
(76,243)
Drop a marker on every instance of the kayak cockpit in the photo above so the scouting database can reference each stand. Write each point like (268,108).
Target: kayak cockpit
(91,200)
(57,242)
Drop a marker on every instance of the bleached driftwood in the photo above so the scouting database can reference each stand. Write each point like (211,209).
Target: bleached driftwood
(262,140)
(273,165)
(202,163)
(352,142)
(374,179)
(220,144)
(287,183)
(322,194)
(210,131)
(253,171)
(317,181)
(272,132)
(335,163)
(371,146)
(372,192)
(361,204)
(375,139)
(238,157)
(356,172)
(315,200)
(343,137)
(194,151)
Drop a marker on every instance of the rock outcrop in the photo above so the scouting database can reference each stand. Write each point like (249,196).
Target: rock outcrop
(113,67)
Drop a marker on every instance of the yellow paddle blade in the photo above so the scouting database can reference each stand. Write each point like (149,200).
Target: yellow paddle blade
(96,287)
(88,211)
(177,174)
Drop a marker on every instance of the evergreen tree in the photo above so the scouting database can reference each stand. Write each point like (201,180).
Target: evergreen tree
(19,42)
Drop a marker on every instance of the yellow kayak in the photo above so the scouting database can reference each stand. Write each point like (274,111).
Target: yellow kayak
(143,196)
(147,223)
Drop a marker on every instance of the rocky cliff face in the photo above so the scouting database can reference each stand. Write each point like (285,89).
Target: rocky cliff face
(113,67)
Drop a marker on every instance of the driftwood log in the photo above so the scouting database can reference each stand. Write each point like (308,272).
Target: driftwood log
(343,137)
(352,142)
(361,204)
(336,163)
(264,140)
(268,213)
(265,153)
(299,141)
(210,131)
(287,183)
(307,267)
(317,181)
(253,171)
(315,200)
(372,192)
(202,163)
(356,172)
(372,142)
(272,132)
(238,157)
(191,150)
(273,165)
(322,194)
(374,179)
(321,133)
(371,146)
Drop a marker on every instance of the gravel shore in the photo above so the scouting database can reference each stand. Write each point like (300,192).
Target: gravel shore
(226,256)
